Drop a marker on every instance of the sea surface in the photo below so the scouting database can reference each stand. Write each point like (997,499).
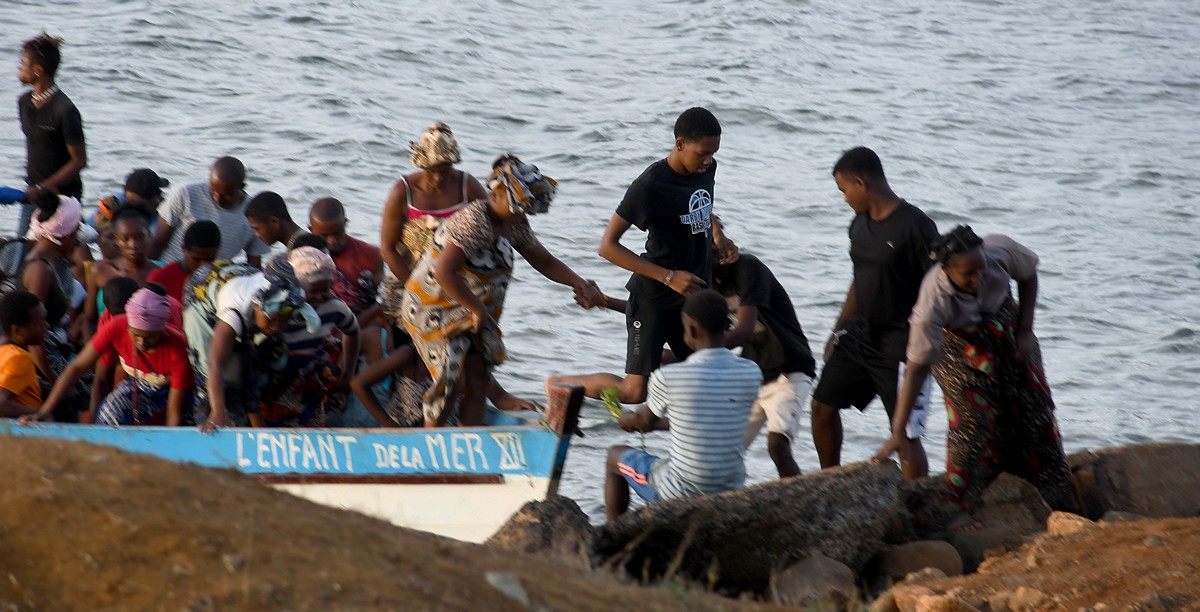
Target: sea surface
(1072,126)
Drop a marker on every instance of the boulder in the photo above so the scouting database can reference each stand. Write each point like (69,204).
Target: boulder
(735,540)
(1011,510)
(1065,523)
(1152,480)
(556,528)
(817,581)
(893,564)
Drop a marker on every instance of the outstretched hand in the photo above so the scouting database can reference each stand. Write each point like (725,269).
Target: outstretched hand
(685,283)
(589,295)
(36,417)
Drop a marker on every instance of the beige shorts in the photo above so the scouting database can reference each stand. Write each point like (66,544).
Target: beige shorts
(779,406)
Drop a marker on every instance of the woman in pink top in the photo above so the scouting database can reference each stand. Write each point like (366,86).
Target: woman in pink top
(417,206)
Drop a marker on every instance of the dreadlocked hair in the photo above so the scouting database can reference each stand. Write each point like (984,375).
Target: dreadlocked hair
(959,240)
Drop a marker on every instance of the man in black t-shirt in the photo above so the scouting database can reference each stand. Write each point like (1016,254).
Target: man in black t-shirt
(890,241)
(54,145)
(673,201)
(770,335)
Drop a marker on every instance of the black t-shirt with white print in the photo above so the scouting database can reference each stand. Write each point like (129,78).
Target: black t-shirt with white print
(48,130)
(676,211)
(890,259)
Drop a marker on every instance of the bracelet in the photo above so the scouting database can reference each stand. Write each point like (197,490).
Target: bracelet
(670,276)
(603,301)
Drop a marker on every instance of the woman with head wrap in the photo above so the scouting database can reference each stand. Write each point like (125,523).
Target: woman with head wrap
(320,365)
(157,389)
(979,344)
(234,316)
(455,296)
(41,264)
(417,206)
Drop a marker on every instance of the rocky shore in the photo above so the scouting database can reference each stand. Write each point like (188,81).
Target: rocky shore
(84,527)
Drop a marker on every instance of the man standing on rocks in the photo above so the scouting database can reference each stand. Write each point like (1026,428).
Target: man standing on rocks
(707,398)
(890,241)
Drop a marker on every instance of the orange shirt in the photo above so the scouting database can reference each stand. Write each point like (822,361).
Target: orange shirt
(18,375)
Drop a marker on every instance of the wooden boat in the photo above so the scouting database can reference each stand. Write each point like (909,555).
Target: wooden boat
(464,483)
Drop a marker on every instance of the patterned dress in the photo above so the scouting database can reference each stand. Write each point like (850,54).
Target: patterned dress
(440,326)
(1001,414)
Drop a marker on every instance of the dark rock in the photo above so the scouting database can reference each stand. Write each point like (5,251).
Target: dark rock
(897,562)
(556,528)
(817,581)
(1153,480)
(733,541)
(1012,509)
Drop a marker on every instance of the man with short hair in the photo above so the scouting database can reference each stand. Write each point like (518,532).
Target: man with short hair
(201,242)
(54,144)
(890,241)
(268,216)
(707,398)
(672,200)
(221,200)
(360,263)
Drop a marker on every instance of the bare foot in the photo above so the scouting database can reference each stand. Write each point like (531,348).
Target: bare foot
(963,523)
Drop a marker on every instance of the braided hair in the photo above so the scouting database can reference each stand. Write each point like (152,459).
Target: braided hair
(959,240)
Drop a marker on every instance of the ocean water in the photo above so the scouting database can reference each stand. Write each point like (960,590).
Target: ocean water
(1073,127)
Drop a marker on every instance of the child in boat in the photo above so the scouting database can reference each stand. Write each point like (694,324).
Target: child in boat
(319,367)
(201,242)
(234,316)
(673,201)
(131,227)
(707,398)
(23,318)
(455,296)
(158,384)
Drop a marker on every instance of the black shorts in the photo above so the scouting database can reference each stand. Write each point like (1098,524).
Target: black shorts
(650,326)
(857,373)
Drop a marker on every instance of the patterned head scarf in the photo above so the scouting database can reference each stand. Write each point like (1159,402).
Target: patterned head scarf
(282,295)
(529,191)
(437,146)
(147,310)
(311,264)
(64,222)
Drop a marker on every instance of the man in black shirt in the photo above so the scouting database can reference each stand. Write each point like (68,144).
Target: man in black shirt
(770,336)
(889,245)
(54,145)
(673,201)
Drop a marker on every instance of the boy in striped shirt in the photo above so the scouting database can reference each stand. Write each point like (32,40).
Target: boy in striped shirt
(707,398)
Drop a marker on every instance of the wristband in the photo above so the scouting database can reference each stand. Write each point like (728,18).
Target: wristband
(670,277)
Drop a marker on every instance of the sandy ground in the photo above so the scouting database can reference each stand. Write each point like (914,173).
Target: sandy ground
(1137,565)
(90,528)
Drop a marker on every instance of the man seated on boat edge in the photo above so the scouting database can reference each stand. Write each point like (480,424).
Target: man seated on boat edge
(707,398)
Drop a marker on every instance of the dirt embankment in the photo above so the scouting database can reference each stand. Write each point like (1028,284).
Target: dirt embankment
(1136,565)
(88,528)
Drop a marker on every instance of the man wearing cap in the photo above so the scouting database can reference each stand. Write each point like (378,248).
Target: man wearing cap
(221,200)
(143,189)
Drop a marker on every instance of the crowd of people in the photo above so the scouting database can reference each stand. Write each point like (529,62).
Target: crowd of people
(170,310)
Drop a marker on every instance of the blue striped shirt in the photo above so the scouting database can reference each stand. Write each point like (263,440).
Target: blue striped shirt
(708,398)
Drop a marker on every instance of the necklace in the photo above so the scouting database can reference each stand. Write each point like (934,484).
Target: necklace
(39,98)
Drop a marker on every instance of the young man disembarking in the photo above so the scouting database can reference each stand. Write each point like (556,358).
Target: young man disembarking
(707,398)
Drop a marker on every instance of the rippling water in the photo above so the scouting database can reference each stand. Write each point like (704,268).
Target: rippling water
(1071,126)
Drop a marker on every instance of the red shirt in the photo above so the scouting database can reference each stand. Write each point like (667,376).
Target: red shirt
(166,364)
(172,276)
(357,258)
